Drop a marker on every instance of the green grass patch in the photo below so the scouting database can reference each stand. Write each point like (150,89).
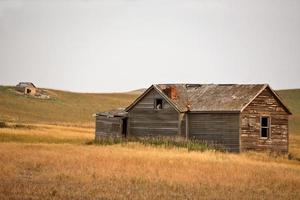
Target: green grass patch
(164,142)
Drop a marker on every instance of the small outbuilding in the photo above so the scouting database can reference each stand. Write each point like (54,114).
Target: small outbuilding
(111,124)
(26,88)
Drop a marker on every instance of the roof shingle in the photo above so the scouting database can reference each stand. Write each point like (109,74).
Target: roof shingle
(212,97)
(209,97)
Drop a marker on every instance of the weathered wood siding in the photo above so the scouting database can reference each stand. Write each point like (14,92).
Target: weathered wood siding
(221,128)
(264,105)
(144,120)
(108,127)
(182,124)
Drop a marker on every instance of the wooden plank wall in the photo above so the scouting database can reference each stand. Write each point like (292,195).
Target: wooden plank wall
(182,125)
(264,105)
(221,128)
(108,127)
(144,120)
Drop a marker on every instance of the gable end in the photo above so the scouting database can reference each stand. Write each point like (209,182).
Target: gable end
(152,87)
(272,93)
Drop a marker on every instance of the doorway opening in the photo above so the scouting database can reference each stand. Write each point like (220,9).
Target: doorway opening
(124,127)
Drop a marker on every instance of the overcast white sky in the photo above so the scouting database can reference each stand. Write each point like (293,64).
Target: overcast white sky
(119,45)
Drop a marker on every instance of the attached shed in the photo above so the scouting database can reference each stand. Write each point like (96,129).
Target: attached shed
(111,124)
(240,117)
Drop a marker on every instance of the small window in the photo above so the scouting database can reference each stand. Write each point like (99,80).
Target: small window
(158,104)
(265,127)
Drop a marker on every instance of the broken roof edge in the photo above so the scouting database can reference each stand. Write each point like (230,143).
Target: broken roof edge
(214,111)
(111,114)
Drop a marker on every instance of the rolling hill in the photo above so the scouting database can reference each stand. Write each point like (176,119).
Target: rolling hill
(62,107)
(78,108)
(292,99)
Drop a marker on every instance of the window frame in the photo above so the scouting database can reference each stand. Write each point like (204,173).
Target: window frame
(155,103)
(266,127)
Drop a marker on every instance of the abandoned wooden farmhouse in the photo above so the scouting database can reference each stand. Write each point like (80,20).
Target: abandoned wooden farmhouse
(240,117)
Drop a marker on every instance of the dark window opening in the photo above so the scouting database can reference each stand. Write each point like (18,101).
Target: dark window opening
(264,121)
(158,104)
(264,132)
(124,127)
(265,126)
(28,91)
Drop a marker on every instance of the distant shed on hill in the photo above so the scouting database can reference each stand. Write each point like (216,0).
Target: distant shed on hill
(26,88)
(240,117)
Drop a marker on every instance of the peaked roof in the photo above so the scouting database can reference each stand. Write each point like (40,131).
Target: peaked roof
(25,84)
(210,97)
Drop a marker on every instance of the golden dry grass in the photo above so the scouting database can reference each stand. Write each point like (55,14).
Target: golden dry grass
(42,133)
(41,169)
(294,147)
(89,172)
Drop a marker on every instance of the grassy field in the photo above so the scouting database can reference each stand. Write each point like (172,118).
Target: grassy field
(41,133)
(58,162)
(292,100)
(46,152)
(62,108)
